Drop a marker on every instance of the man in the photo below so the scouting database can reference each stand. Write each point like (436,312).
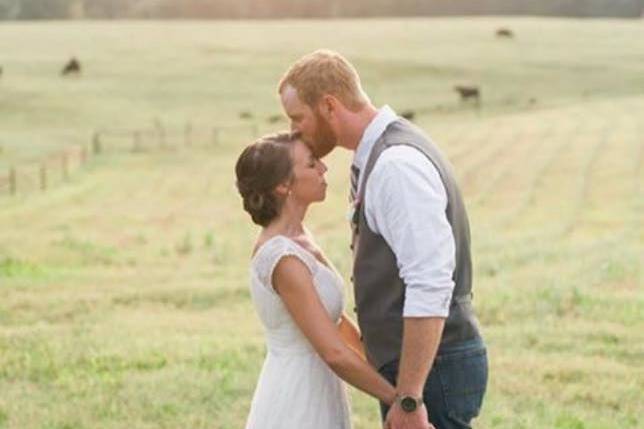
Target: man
(412,269)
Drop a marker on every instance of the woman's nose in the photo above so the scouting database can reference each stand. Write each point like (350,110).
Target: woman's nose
(323,167)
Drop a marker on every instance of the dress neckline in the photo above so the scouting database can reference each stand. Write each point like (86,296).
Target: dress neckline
(263,245)
(259,249)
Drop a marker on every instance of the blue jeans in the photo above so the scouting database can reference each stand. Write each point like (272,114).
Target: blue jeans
(453,393)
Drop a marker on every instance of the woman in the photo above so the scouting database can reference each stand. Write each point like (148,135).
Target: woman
(298,296)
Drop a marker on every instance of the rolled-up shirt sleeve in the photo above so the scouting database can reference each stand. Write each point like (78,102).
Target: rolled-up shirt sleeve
(405,202)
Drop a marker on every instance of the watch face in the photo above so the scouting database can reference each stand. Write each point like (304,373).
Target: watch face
(408,404)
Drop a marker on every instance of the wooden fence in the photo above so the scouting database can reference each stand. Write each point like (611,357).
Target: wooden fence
(58,167)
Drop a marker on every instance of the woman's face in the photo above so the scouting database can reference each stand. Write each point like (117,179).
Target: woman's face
(308,184)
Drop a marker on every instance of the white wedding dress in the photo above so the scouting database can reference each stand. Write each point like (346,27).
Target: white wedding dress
(296,389)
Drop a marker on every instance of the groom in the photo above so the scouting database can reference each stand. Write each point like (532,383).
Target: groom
(412,269)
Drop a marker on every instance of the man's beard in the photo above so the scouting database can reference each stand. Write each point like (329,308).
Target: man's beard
(324,141)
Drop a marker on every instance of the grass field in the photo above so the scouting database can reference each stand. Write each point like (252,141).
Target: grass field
(123,294)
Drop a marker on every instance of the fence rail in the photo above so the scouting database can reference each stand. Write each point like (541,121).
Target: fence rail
(58,167)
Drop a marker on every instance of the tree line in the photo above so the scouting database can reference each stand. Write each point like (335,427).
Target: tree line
(241,9)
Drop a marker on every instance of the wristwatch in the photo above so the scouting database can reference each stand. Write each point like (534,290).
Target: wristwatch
(409,404)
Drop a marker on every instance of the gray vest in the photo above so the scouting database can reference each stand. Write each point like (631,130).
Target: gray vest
(379,290)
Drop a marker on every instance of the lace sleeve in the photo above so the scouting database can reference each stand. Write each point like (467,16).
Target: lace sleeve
(275,250)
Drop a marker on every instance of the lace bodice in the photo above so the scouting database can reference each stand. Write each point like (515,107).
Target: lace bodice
(282,332)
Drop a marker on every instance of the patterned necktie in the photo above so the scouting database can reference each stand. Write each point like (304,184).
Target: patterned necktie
(355,173)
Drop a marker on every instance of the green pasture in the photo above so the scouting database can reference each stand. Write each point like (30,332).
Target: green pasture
(124,296)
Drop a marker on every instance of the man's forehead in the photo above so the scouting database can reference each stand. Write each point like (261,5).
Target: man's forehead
(291,99)
(290,91)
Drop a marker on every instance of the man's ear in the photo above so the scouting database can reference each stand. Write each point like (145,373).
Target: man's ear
(328,106)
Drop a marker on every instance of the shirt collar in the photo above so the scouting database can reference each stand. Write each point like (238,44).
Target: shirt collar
(372,133)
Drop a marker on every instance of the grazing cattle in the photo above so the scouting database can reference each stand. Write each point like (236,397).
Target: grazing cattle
(72,67)
(275,118)
(245,115)
(504,33)
(408,114)
(469,92)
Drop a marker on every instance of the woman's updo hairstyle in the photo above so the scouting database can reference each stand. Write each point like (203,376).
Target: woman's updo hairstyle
(260,168)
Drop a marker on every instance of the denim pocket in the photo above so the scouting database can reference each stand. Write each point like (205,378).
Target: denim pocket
(463,378)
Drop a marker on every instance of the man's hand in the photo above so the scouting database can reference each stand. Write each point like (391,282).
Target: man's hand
(399,419)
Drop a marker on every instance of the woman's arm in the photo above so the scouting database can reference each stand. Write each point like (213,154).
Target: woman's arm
(294,283)
(349,332)
(351,335)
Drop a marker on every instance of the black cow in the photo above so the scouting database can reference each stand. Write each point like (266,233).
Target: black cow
(504,33)
(72,67)
(275,118)
(408,114)
(469,92)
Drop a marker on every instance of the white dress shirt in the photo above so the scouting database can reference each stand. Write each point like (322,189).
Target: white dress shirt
(405,202)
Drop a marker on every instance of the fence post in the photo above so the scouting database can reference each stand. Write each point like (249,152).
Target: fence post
(13,185)
(136,141)
(188,133)
(160,132)
(96,143)
(43,177)
(65,166)
(83,155)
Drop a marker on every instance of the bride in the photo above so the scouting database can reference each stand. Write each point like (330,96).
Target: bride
(298,296)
